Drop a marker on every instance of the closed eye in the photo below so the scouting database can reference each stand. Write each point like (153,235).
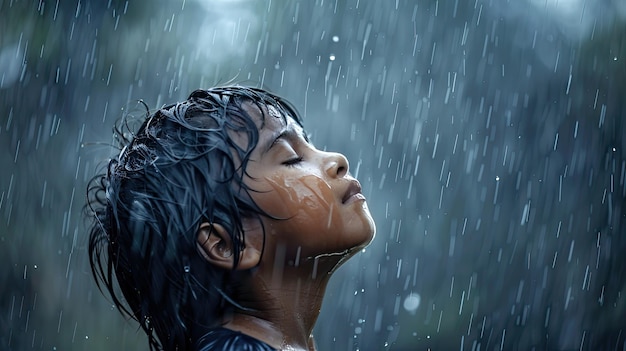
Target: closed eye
(293,161)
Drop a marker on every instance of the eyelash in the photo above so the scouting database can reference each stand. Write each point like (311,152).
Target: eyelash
(292,162)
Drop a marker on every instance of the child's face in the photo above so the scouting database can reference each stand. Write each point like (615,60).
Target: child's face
(319,207)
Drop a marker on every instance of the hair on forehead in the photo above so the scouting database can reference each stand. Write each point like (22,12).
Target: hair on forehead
(180,168)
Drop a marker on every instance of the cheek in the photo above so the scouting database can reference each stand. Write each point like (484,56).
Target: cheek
(304,200)
(309,215)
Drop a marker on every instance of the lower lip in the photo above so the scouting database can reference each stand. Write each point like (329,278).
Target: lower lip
(354,198)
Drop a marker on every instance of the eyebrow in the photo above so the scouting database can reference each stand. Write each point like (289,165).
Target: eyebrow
(288,133)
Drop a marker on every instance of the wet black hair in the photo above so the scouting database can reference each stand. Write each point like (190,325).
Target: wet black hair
(181,168)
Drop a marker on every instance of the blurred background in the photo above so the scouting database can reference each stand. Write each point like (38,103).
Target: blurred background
(488,136)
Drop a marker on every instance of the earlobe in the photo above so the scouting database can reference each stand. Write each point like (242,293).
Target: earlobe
(215,245)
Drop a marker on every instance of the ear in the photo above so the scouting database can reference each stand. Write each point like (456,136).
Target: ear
(215,245)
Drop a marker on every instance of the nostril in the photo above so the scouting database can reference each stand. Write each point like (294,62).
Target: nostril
(342,165)
(337,165)
(341,171)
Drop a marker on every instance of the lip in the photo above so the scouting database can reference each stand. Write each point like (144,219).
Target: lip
(353,193)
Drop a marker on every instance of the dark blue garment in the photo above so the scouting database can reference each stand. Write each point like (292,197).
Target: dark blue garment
(223,339)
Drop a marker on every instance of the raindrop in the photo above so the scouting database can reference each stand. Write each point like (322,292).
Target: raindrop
(412,302)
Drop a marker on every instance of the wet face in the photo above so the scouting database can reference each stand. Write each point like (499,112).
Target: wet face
(317,207)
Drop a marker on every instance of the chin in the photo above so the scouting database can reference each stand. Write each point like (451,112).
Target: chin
(350,249)
(365,239)
(371,232)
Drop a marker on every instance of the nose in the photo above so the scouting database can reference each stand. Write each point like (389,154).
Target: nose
(337,165)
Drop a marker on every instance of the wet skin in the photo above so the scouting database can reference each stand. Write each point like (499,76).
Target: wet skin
(317,219)
(318,208)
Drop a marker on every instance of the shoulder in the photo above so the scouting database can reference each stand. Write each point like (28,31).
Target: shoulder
(223,339)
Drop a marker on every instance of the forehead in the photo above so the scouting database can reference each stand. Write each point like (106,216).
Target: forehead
(269,118)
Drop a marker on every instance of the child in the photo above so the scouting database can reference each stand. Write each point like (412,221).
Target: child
(222,223)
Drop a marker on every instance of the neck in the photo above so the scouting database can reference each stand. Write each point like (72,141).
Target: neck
(284,303)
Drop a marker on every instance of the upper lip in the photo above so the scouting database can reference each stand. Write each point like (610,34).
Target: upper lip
(354,187)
